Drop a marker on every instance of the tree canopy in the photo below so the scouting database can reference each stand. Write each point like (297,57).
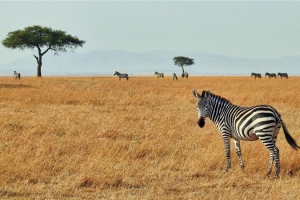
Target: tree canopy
(44,38)
(182,61)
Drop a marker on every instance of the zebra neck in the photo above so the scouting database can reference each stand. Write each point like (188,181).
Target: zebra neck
(219,108)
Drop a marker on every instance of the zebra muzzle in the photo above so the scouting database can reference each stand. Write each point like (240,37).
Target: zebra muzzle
(201,122)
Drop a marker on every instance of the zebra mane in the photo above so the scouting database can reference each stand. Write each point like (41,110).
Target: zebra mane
(223,98)
(215,96)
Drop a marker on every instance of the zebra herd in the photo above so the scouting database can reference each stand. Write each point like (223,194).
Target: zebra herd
(271,75)
(186,75)
(174,76)
(243,123)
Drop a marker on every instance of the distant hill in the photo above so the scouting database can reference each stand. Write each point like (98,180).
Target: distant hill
(106,62)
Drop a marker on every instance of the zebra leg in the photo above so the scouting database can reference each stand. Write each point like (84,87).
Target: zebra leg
(274,155)
(270,163)
(274,152)
(239,153)
(227,152)
(277,161)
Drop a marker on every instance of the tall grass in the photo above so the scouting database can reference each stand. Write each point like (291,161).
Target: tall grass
(98,137)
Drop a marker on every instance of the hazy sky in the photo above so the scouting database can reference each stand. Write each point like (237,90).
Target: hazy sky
(267,29)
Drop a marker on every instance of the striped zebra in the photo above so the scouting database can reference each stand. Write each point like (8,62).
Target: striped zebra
(185,74)
(121,75)
(243,123)
(256,75)
(159,74)
(270,75)
(17,75)
(175,77)
(283,75)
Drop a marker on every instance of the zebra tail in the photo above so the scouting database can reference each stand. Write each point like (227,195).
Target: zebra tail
(289,138)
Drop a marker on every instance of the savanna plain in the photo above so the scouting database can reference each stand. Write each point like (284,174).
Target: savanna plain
(101,138)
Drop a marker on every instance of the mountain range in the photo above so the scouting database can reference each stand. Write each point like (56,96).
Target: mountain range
(106,62)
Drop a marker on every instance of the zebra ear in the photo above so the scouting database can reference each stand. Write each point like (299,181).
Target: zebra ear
(207,94)
(195,93)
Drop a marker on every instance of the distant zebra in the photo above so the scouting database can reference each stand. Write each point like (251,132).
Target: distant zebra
(270,75)
(283,75)
(185,74)
(175,77)
(243,123)
(121,75)
(256,75)
(159,74)
(17,75)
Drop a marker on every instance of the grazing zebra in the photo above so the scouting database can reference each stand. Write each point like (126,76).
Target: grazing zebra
(270,75)
(121,75)
(243,123)
(256,75)
(283,75)
(185,74)
(159,74)
(17,75)
(175,77)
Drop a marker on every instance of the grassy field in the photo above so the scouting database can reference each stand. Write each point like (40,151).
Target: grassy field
(101,138)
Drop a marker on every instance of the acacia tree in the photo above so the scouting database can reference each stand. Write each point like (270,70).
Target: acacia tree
(44,38)
(182,61)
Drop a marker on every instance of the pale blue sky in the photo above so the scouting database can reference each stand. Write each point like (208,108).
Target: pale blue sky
(267,29)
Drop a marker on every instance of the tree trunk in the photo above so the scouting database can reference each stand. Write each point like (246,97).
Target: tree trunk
(39,63)
(39,70)
(182,70)
(182,75)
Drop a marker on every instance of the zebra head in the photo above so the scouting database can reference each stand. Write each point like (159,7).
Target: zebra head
(202,106)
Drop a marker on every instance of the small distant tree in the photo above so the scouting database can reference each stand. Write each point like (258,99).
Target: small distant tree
(41,37)
(182,61)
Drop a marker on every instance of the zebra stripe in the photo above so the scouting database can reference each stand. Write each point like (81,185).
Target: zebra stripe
(175,77)
(256,75)
(121,75)
(270,75)
(159,74)
(17,75)
(185,74)
(243,123)
(283,75)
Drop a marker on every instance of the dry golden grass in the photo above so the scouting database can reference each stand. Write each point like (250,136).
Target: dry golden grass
(101,138)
